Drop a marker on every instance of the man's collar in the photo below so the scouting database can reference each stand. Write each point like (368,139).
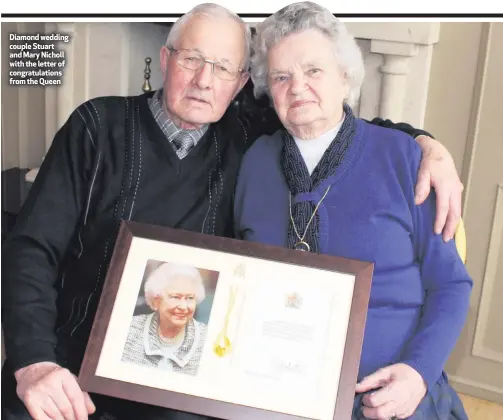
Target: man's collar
(167,126)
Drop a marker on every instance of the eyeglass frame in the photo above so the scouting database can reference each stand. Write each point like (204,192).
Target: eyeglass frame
(204,60)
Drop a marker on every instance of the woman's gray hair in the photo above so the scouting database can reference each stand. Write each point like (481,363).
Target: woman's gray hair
(298,17)
(159,280)
(211,10)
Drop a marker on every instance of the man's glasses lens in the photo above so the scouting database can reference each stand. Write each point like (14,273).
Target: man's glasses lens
(194,61)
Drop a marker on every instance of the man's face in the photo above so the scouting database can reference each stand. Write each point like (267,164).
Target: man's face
(197,97)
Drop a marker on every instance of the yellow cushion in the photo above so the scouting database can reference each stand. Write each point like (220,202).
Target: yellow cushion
(460,238)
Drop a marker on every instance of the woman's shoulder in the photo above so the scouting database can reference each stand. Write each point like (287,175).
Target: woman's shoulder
(266,142)
(200,326)
(201,331)
(389,142)
(136,332)
(138,322)
(391,136)
(267,148)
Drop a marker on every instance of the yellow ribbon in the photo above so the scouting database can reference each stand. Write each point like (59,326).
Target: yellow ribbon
(222,344)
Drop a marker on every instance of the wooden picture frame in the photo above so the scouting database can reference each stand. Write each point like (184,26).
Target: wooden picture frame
(271,288)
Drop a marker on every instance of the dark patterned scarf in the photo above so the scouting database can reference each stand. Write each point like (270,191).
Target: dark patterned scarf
(299,181)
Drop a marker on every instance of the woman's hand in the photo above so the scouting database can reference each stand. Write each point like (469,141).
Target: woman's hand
(401,390)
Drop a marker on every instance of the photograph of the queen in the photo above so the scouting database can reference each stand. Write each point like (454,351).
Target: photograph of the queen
(165,334)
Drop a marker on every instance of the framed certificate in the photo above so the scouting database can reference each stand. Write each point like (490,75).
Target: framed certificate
(227,328)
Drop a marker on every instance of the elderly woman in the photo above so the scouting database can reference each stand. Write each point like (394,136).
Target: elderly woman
(331,183)
(169,338)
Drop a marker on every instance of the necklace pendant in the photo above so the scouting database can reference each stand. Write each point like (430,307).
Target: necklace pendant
(302,246)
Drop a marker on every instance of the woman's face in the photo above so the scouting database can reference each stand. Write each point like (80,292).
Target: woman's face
(306,84)
(178,304)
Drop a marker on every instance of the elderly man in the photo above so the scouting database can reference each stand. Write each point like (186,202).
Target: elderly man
(168,158)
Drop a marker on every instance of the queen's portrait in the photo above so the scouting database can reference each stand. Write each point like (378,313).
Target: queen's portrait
(169,337)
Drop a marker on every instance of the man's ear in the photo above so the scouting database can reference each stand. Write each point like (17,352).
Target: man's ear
(242,82)
(244,79)
(164,56)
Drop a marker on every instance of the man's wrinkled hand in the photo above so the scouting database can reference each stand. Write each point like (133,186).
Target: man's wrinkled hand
(51,392)
(438,170)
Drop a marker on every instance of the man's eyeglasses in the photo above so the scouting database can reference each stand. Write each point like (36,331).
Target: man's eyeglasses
(194,60)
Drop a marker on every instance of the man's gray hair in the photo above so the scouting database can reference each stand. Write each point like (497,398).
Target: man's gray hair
(211,10)
(298,17)
(160,279)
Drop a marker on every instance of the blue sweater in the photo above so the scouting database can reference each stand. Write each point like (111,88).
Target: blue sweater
(420,291)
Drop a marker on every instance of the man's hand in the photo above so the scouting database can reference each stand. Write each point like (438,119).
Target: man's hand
(401,390)
(438,170)
(51,392)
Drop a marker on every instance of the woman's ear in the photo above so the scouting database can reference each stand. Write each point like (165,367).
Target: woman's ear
(346,87)
(154,303)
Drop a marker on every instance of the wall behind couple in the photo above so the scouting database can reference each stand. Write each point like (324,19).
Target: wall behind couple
(102,58)
(107,58)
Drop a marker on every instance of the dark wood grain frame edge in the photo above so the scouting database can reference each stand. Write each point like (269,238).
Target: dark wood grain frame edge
(104,310)
(354,341)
